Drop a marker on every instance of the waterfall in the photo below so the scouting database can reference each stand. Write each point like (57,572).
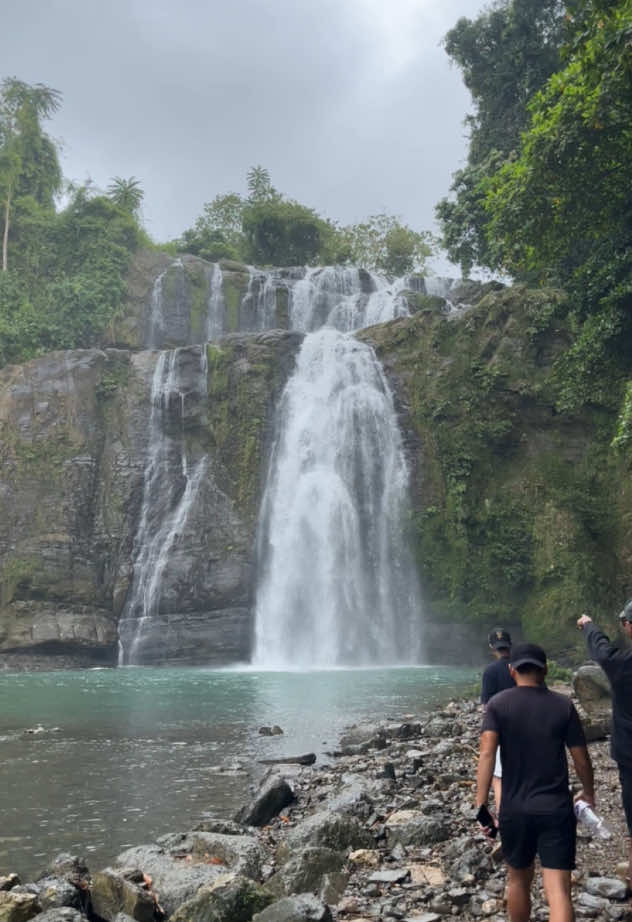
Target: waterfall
(156,331)
(345,298)
(166,500)
(216,315)
(258,306)
(337,583)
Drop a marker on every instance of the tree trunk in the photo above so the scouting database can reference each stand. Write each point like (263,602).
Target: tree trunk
(5,235)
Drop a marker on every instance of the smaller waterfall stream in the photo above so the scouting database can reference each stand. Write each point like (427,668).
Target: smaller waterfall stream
(166,500)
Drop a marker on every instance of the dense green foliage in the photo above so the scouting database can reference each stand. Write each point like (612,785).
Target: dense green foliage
(506,55)
(546,198)
(267,228)
(63,278)
(561,212)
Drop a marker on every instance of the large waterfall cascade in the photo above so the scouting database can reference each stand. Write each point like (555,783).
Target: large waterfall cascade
(336,582)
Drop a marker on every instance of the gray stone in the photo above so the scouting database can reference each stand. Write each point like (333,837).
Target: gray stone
(305,870)
(231,898)
(412,827)
(301,908)
(274,794)
(609,887)
(331,830)
(333,887)
(17,907)
(66,914)
(184,863)
(8,881)
(591,686)
(114,891)
(55,891)
(390,877)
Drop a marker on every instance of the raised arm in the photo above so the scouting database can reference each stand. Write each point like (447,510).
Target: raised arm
(609,657)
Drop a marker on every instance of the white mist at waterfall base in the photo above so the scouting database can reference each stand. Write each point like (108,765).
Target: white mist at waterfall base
(165,505)
(337,585)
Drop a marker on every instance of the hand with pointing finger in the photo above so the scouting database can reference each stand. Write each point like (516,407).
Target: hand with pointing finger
(582,621)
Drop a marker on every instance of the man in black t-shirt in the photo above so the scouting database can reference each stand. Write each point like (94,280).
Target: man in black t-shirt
(617,664)
(496,678)
(533,725)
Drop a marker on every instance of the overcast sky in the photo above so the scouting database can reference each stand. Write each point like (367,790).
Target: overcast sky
(352,105)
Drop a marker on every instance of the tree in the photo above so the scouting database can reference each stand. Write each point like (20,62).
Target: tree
(561,211)
(281,232)
(260,188)
(126,193)
(29,166)
(217,233)
(383,243)
(506,54)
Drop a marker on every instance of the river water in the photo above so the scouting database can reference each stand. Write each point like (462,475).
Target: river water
(96,760)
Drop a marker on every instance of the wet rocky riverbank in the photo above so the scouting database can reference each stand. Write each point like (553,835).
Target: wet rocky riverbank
(383,830)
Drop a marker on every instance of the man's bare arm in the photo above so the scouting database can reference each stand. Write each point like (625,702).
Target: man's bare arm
(584,769)
(486,759)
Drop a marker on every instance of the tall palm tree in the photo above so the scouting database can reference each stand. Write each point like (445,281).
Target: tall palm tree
(126,193)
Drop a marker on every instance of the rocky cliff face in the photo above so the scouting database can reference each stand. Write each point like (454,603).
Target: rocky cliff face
(520,513)
(74,431)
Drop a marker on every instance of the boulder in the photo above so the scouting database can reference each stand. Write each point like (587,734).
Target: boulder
(302,908)
(67,914)
(274,794)
(411,827)
(591,686)
(331,830)
(8,881)
(609,887)
(54,891)
(232,898)
(305,870)
(115,891)
(182,863)
(17,907)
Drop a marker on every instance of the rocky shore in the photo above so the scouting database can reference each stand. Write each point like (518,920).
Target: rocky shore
(382,830)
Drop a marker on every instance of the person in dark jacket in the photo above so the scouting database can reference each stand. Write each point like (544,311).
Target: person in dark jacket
(497,678)
(617,664)
(533,727)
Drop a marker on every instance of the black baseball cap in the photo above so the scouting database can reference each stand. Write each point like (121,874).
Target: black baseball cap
(626,613)
(528,653)
(499,639)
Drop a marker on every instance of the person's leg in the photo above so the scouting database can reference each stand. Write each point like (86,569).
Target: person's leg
(625,778)
(557,889)
(556,846)
(519,882)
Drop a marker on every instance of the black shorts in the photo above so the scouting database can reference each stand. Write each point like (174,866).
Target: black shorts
(625,777)
(551,836)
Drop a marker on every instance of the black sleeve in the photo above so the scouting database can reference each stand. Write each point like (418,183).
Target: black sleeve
(488,686)
(574,732)
(609,657)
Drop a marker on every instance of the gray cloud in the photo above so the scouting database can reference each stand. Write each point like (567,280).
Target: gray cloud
(351,104)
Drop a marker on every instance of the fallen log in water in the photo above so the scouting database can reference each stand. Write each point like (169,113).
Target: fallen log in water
(307,759)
